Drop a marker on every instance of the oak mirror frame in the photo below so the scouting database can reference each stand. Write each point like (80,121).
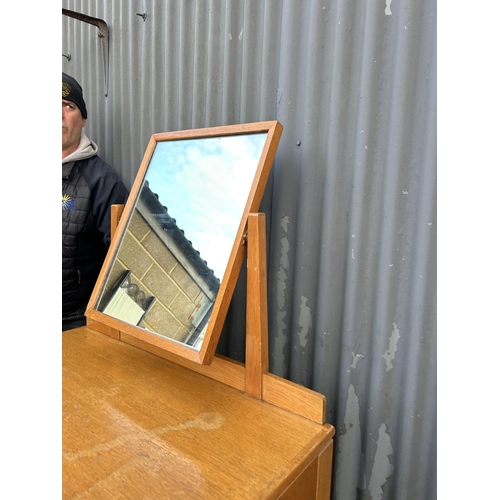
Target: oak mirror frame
(174,299)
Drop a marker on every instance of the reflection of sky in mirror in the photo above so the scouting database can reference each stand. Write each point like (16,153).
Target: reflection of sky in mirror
(205,183)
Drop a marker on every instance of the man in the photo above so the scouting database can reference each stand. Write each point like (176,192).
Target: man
(89,188)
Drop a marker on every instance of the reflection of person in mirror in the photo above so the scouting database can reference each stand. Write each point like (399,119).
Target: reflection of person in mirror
(89,187)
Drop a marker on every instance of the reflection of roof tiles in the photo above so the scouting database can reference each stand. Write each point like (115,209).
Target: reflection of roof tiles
(169,225)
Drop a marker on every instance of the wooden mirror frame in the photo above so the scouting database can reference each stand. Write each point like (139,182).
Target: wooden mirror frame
(207,351)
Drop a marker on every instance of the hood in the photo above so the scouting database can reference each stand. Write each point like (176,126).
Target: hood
(86,149)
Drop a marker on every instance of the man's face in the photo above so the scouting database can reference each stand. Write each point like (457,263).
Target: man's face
(72,125)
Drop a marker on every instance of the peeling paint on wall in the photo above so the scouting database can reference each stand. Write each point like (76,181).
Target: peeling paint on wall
(351,476)
(355,359)
(390,354)
(278,354)
(305,321)
(282,272)
(382,467)
(349,449)
(388,7)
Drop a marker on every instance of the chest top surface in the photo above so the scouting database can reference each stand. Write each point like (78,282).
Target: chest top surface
(136,425)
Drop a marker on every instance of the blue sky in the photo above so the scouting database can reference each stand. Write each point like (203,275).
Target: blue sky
(205,183)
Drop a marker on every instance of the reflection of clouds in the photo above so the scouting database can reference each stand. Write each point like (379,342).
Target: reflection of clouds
(205,183)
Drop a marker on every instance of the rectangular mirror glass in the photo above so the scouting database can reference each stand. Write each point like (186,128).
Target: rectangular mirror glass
(173,264)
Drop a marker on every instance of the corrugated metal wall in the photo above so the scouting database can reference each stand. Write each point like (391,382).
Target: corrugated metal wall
(351,204)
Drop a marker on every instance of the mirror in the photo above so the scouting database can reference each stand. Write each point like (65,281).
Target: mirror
(173,264)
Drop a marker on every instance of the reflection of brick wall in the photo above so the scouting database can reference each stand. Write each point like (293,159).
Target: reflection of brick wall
(158,273)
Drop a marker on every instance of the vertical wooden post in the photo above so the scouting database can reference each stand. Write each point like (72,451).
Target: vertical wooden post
(116,213)
(257,348)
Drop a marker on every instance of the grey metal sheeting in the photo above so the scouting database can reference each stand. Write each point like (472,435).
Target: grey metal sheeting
(351,204)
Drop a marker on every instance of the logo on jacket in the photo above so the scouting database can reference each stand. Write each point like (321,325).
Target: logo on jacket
(67,202)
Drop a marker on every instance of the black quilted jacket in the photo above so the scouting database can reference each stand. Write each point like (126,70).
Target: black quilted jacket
(89,188)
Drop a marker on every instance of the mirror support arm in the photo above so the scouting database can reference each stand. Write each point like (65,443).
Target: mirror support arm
(116,213)
(257,346)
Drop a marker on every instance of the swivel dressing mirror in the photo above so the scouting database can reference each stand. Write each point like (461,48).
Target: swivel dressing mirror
(174,261)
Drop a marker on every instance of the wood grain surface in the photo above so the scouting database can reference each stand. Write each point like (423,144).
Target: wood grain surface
(139,426)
